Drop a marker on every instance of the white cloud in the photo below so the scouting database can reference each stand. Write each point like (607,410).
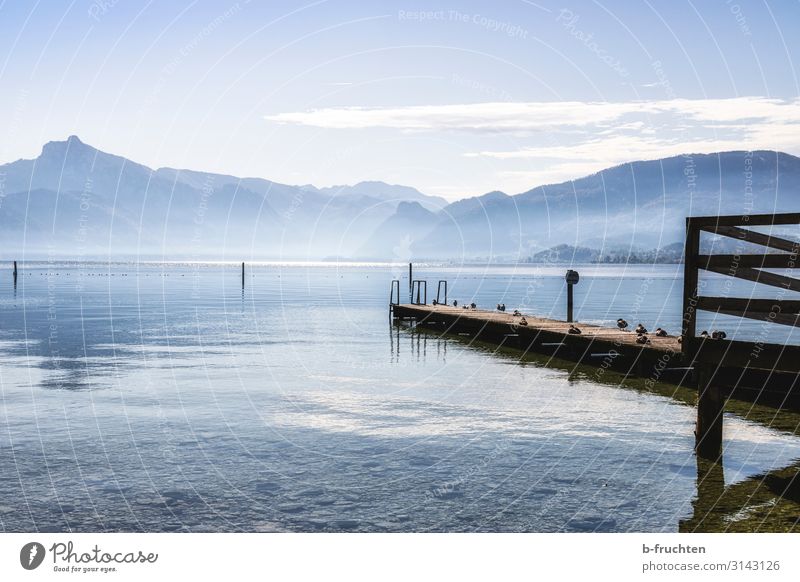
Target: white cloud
(540,116)
(614,150)
(556,141)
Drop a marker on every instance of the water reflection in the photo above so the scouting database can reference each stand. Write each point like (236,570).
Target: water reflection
(767,502)
(298,415)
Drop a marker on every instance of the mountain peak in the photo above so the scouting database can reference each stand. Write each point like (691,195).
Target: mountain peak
(412,208)
(72,143)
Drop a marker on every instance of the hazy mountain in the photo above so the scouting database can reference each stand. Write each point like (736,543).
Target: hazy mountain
(395,236)
(635,205)
(387,193)
(74,200)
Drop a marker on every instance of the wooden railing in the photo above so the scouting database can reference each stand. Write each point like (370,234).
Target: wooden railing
(748,267)
(706,354)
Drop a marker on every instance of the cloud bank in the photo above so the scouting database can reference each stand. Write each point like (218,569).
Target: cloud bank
(562,140)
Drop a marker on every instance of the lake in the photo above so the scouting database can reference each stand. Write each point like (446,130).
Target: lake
(164,397)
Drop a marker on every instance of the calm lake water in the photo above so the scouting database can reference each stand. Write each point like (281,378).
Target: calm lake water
(152,397)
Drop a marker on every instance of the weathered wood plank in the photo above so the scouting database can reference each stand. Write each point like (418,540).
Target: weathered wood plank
(745,219)
(737,354)
(741,306)
(758,276)
(771,261)
(754,237)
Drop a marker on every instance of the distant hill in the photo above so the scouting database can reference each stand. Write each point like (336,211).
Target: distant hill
(670,254)
(634,205)
(395,236)
(387,193)
(74,200)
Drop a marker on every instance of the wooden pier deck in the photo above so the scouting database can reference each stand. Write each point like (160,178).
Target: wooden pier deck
(589,332)
(595,345)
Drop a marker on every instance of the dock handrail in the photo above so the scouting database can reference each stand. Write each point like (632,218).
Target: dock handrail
(748,267)
(438,292)
(419,292)
(395,288)
(709,354)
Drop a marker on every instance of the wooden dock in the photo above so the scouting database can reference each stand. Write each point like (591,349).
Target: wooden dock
(710,364)
(595,345)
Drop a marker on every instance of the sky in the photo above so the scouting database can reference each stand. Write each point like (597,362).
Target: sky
(453,98)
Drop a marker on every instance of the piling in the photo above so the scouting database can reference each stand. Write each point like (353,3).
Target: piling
(710,407)
(15,272)
(410,284)
(242,275)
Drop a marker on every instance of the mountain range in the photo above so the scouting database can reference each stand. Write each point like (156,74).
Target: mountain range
(74,200)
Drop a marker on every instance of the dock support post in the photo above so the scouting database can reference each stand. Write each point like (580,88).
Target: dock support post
(15,273)
(410,284)
(710,407)
(242,275)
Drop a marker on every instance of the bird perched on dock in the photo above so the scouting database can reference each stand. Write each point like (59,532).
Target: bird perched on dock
(523,321)
(680,339)
(660,332)
(516,313)
(642,339)
(704,334)
(718,334)
(434,303)
(498,307)
(455,303)
(574,330)
(640,329)
(622,324)
(473,306)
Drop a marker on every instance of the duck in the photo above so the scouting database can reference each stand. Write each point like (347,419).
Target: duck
(640,329)
(718,334)
(516,313)
(473,306)
(455,303)
(502,307)
(660,332)
(499,308)
(622,324)
(642,339)
(574,330)
(704,334)
(523,321)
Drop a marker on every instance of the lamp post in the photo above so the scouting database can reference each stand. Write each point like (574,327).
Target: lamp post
(572,278)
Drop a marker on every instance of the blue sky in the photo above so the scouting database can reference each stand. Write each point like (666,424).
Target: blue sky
(454,98)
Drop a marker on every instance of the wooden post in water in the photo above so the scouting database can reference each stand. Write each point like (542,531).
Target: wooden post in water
(710,407)
(242,275)
(410,284)
(15,272)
